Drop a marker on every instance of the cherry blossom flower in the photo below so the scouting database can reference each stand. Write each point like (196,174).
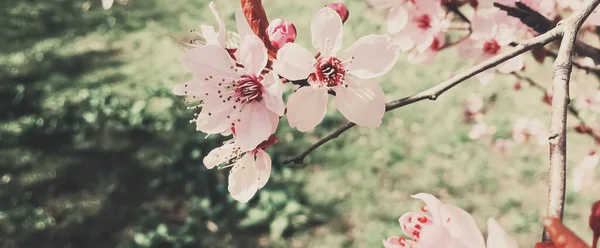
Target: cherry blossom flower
(426,19)
(281,32)
(349,75)
(529,129)
(234,96)
(584,173)
(250,170)
(491,36)
(443,225)
(417,56)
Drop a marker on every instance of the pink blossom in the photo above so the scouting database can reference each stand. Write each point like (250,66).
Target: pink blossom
(349,75)
(231,95)
(341,9)
(249,172)
(584,173)
(529,129)
(418,56)
(491,36)
(443,225)
(281,32)
(425,21)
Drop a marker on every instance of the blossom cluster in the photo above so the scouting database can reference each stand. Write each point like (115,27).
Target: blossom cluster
(239,80)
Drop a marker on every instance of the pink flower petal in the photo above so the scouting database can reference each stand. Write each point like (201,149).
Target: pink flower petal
(294,62)
(263,167)
(214,121)
(272,96)
(462,226)
(242,179)
(434,206)
(397,19)
(361,102)
(326,31)
(411,220)
(497,237)
(371,56)
(219,65)
(253,127)
(306,107)
(218,155)
(253,54)
(190,88)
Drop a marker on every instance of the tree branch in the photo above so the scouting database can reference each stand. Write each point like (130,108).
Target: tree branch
(541,24)
(434,92)
(560,101)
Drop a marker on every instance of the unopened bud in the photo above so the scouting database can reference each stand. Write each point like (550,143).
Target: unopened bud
(281,32)
(341,9)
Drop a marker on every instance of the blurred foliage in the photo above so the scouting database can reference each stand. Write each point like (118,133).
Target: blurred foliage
(95,151)
(87,164)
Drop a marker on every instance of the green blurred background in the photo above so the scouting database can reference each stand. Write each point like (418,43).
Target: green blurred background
(95,151)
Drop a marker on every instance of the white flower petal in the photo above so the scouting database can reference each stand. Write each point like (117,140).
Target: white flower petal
(219,155)
(243,179)
(306,108)
(263,167)
(272,97)
(219,65)
(253,54)
(293,62)
(371,56)
(254,126)
(361,102)
(497,237)
(397,19)
(222,35)
(326,30)
(462,226)
(242,24)
(191,88)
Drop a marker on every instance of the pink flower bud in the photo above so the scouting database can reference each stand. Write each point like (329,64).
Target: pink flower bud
(281,32)
(341,9)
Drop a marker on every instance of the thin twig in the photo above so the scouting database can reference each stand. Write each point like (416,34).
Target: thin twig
(560,101)
(434,92)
